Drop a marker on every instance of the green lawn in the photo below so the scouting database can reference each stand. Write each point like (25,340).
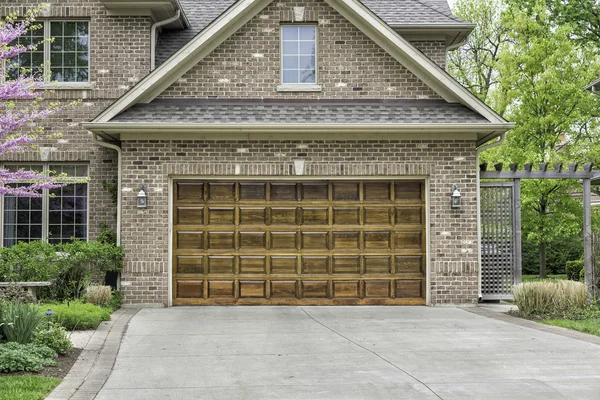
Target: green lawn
(591,325)
(534,278)
(26,387)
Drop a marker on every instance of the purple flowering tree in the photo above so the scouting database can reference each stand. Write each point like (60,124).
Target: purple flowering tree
(20,105)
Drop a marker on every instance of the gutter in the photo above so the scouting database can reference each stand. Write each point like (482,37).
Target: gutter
(153,30)
(102,143)
(479,150)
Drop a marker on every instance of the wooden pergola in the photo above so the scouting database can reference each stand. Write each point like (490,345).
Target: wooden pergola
(586,175)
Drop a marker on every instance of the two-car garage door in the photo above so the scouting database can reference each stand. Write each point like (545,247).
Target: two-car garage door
(309,242)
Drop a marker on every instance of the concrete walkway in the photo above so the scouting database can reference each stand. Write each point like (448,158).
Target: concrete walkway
(345,353)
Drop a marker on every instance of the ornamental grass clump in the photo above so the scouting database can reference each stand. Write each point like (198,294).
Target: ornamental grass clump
(549,298)
(98,295)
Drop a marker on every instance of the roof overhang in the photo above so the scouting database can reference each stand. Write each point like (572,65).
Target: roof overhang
(158,10)
(594,86)
(115,131)
(455,35)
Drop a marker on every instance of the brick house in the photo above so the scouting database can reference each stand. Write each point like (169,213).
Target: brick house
(291,152)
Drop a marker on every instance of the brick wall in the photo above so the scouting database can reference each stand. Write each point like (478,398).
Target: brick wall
(119,58)
(350,65)
(453,233)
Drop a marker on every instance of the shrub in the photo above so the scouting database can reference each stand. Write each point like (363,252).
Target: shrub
(115,300)
(15,293)
(98,295)
(573,269)
(547,298)
(25,357)
(29,262)
(582,275)
(20,321)
(76,315)
(55,337)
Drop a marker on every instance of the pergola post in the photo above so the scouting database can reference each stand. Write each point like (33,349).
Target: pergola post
(518,268)
(587,236)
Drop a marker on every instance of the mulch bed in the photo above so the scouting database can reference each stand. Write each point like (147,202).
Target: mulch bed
(60,371)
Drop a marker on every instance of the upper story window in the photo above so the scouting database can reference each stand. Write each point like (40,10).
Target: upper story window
(65,59)
(299,54)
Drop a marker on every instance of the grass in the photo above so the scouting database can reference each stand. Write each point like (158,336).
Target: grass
(535,278)
(591,326)
(26,387)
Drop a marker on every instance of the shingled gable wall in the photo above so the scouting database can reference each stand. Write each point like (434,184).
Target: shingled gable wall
(119,58)
(350,66)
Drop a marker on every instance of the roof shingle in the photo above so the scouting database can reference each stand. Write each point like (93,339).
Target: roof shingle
(248,111)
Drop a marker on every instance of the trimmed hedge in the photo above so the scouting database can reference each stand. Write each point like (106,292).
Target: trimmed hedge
(75,315)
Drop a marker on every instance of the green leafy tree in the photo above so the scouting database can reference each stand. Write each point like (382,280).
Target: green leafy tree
(542,76)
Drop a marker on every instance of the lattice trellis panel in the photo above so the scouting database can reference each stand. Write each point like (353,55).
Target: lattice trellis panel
(497,240)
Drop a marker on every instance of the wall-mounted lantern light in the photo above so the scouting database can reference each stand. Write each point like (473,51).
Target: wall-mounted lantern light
(299,165)
(142,197)
(455,197)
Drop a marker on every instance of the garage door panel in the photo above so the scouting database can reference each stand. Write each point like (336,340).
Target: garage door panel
(221,265)
(284,265)
(253,191)
(346,289)
(321,242)
(189,264)
(190,216)
(223,192)
(283,289)
(221,289)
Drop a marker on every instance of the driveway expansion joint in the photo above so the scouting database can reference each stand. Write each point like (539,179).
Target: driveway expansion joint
(92,368)
(372,352)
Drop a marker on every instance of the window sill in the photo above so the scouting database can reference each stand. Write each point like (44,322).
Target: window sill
(299,87)
(67,86)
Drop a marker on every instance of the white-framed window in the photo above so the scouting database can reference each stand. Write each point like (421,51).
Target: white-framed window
(299,54)
(64,60)
(59,218)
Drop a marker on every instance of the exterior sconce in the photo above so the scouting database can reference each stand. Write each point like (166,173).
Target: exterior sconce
(299,165)
(142,197)
(455,197)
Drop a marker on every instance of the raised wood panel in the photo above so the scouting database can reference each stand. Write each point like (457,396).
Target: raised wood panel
(314,289)
(189,264)
(254,289)
(221,216)
(408,288)
(189,191)
(221,289)
(345,289)
(283,289)
(221,191)
(190,289)
(221,265)
(346,265)
(253,265)
(336,242)
(253,191)
(190,215)
(190,240)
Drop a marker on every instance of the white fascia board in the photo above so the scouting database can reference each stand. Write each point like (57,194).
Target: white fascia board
(186,57)
(415,61)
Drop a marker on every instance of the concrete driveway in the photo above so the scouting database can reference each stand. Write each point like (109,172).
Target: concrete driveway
(345,353)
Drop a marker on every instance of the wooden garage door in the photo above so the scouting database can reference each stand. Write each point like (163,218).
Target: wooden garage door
(321,242)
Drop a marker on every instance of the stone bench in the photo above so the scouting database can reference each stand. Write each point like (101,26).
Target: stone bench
(31,287)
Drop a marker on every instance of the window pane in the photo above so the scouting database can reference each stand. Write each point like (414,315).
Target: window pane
(69,54)
(290,76)
(307,62)
(289,32)
(307,48)
(290,62)
(29,60)
(290,48)
(307,76)
(307,32)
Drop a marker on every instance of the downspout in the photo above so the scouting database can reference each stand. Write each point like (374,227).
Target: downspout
(155,26)
(102,143)
(479,150)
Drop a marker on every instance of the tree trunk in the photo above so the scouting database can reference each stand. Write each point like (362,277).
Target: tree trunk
(543,260)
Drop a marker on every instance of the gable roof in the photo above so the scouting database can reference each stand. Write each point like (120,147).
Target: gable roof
(400,13)
(354,11)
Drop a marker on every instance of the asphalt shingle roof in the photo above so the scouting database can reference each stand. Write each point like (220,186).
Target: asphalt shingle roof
(200,13)
(221,111)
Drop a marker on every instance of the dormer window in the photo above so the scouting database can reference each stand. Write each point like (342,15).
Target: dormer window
(64,60)
(299,54)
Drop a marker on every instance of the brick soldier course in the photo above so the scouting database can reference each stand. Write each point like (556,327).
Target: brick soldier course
(353,71)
